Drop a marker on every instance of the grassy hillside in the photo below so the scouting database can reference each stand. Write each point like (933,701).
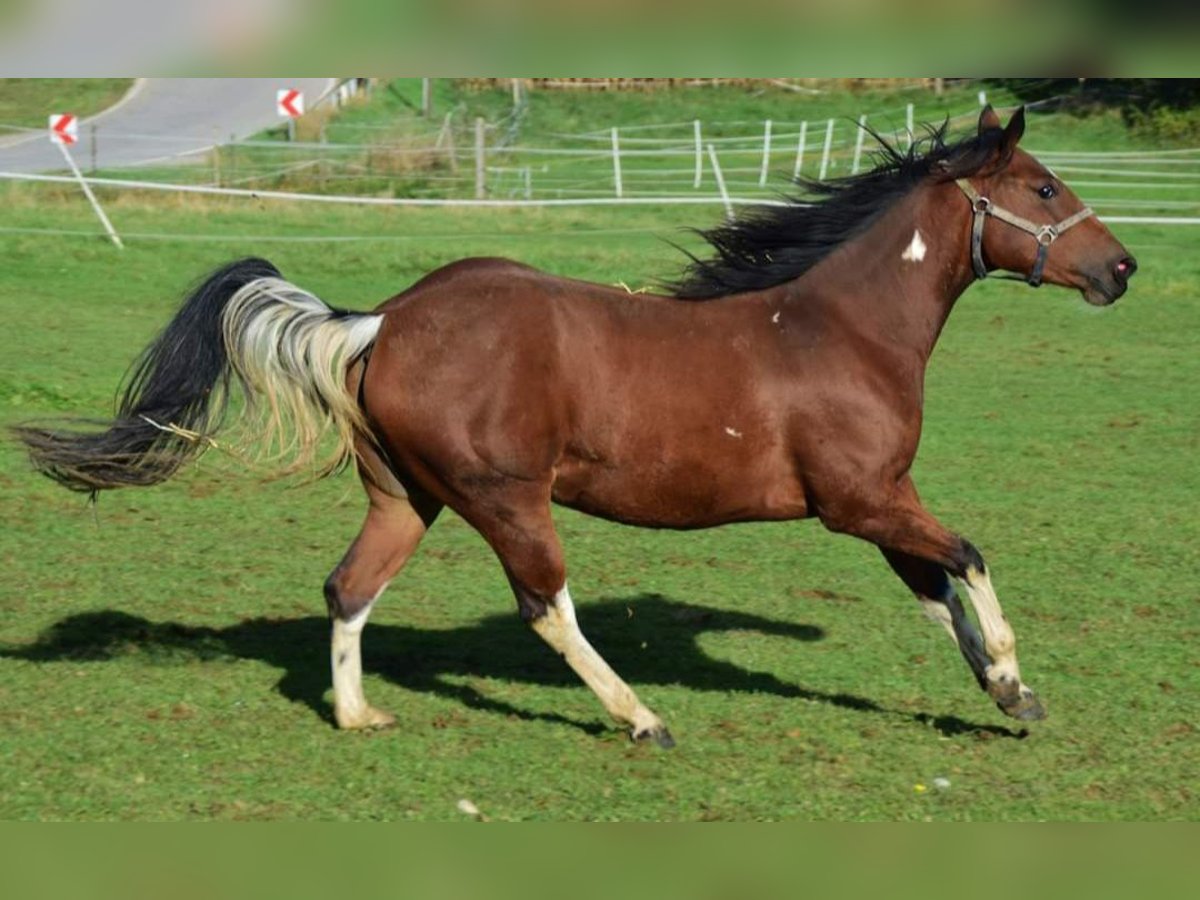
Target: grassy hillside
(26,102)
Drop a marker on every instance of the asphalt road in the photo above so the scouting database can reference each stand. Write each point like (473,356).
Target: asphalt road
(164,118)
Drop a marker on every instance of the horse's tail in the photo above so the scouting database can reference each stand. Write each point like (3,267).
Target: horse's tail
(287,349)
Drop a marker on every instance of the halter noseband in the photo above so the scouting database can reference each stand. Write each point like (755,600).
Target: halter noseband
(1045,235)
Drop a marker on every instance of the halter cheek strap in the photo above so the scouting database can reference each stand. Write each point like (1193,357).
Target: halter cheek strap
(1045,235)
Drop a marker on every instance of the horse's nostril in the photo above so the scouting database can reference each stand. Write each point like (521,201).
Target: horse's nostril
(1126,268)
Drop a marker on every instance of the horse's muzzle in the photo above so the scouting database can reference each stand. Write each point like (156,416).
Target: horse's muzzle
(1110,287)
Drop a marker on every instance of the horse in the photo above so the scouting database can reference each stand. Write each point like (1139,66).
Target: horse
(781,378)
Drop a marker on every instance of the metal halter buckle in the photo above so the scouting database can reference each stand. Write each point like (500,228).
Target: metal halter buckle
(981,205)
(1046,235)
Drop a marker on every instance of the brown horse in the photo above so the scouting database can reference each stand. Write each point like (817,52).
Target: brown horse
(794,391)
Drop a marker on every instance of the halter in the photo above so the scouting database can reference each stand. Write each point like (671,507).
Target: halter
(1044,234)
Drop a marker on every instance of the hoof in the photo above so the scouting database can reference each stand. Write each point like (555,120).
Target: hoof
(369,719)
(658,734)
(1027,707)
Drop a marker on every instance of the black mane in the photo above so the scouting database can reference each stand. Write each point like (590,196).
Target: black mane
(769,245)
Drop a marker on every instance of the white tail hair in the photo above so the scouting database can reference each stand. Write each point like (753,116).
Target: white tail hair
(292,350)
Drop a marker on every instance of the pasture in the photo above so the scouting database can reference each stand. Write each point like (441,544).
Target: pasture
(164,655)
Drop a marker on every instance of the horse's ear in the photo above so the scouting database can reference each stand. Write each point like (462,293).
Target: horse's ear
(1013,132)
(988,119)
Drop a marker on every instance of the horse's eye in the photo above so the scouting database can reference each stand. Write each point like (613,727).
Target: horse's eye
(1047,191)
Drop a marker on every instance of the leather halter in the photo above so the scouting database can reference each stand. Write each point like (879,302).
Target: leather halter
(1045,235)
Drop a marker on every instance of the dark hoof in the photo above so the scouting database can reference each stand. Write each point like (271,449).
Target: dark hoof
(1027,708)
(659,735)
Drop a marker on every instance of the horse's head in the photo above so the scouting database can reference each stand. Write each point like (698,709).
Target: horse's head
(1027,221)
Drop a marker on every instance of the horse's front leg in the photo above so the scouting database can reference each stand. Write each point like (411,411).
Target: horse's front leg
(898,524)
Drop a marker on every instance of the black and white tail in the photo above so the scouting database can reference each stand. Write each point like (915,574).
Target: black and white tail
(285,347)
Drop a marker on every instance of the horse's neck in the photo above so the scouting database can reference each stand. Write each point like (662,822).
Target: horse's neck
(897,282)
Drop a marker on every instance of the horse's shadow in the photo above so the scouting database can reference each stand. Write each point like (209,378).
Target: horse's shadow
(647,638)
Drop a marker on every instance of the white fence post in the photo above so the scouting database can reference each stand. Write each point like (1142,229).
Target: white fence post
(766,160)
(699,154)
(858,142)
(616,150)
(528,182)
(983,98)
(87,190)
(712,155)
(445,140)
(825,152)
(426,96)
(908,125)
(479,150)
(800,150)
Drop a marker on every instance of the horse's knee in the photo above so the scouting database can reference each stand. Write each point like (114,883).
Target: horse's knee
(967,561)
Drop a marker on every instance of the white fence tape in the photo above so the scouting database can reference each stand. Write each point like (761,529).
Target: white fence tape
(655,200)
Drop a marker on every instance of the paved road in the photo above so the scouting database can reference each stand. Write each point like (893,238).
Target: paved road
(164,118)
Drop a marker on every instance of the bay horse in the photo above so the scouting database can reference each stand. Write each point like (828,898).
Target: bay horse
(782,378)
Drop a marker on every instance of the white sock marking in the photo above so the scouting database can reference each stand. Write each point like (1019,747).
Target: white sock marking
(559,629)
(998,639)
(350,706)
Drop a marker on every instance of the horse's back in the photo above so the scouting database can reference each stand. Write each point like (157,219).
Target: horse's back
(472,272)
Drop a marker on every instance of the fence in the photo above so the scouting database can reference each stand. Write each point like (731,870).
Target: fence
(459,162)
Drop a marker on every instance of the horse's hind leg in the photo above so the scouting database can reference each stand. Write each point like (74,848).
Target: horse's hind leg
(529,550)
(394,527)
(941,604)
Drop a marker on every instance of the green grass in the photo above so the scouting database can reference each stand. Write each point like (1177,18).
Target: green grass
(26,102)
(164,655)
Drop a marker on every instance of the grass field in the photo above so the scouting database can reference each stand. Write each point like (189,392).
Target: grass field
(24,101)
(164,655)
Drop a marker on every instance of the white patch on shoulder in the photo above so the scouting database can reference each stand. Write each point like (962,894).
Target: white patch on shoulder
(915,252)
(732,433)
(775,318)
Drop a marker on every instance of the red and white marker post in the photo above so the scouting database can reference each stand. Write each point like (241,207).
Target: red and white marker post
(289,103)
(64,131)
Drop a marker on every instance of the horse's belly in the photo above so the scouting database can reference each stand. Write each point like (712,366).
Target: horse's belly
(665,497)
